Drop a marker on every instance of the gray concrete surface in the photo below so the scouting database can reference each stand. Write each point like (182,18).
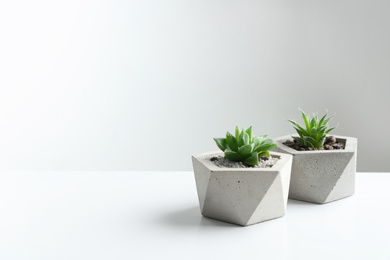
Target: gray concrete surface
(321,176)
(242,196)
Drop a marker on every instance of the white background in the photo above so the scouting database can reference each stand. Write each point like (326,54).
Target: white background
(142,85)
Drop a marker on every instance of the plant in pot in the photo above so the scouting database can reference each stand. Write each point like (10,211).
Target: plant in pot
(243,183)
(324,167)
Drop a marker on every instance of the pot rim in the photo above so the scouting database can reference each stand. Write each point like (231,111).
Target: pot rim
(204,158)
(351,143)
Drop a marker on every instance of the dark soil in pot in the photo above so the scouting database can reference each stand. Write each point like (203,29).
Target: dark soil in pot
(331,143)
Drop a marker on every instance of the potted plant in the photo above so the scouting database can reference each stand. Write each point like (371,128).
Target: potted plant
(244,183)
(324,167)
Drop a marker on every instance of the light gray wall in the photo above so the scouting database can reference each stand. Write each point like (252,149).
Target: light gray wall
(142,85)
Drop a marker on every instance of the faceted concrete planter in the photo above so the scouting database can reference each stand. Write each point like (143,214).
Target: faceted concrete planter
(242,196)
(321,176)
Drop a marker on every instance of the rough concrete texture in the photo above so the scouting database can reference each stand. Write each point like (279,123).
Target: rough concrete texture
(321,176)
(242,196)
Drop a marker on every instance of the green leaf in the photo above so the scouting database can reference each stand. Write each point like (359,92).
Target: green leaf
(327,120)
(249,132)
(295,123)
(316,129)
(312,122)
(245,150)
(304,131)
(266,145)
(298,131)
(252,160)
(315,120)
(305,118)
(322,120)
(245,138)
(240,147)
(321,129)
(228,136)
(257,140)
(264,154)
(237,132)
(321,141)
(240,140)
(232,156)
(330,129)
(316,135)
(231,142)
(298,139)
(309,141)
(313,132)
(221,143)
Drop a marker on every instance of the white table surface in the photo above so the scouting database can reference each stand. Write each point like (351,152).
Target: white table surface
(155,215)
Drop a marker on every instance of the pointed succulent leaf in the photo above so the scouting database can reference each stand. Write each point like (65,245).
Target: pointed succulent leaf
(241,146)
(305,118)
(240,140)
(327,120)
(309,141)
(221,143)
(322,120)
(232,155)
(231,142)
(266,145)
(295,123)
(315,120)
(257,140)
(298,139)
(253,159)
(228,137)
(316,129)
(299,127)
(249,132)
(264,154)
(312,122)
(330,129)
(313,132)
(245,150)
(298,130)
(246,138)
(237,132)
(321,129)
(321,141)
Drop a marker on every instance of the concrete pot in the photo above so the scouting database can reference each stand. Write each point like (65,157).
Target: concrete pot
(243,196)
(321,176)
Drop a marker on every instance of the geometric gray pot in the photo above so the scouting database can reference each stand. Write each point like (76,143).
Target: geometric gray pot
(243,196)
(321,176)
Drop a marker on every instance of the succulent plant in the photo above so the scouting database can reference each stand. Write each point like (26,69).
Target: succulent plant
(245,147)
(315,133)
